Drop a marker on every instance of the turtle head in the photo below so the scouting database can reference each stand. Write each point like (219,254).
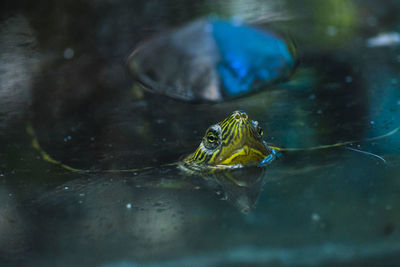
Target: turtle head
(235,142)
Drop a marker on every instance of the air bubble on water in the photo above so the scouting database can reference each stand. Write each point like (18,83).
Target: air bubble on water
(129,206)
(349,79)
(92,138)
(372,122)
(69,137)
(164,139)
(81,194)
(394,81)
(315,217)
(66,187)
(319,111)
(331,30)
(312,97)
(1,174)
(69,53)
(398,102)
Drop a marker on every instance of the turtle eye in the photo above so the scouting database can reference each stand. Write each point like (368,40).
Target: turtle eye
(212,139)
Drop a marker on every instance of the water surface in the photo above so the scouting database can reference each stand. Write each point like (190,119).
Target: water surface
(63,71)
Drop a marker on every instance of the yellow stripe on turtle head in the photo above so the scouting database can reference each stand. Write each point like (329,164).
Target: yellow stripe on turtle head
(236,141)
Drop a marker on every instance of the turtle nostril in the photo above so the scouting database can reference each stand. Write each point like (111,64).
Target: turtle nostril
(240,115)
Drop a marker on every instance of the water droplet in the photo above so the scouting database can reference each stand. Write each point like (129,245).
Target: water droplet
(349,79)
(331,30)
(372,122)
(69,53)
(315,217)
(92,138)
(319,111)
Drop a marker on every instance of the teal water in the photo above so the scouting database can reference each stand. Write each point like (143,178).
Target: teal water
(63,70)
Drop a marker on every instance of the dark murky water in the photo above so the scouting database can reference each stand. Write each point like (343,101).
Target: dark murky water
(63,70)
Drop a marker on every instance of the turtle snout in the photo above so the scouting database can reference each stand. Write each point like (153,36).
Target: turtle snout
(240,115)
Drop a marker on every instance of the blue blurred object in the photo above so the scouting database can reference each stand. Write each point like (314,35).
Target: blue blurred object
(249,55)
(212,59)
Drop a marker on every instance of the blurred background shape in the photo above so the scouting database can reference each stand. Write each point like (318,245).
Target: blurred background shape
(212,59)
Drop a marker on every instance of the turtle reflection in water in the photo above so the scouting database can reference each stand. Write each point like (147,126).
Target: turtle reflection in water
(226,148)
